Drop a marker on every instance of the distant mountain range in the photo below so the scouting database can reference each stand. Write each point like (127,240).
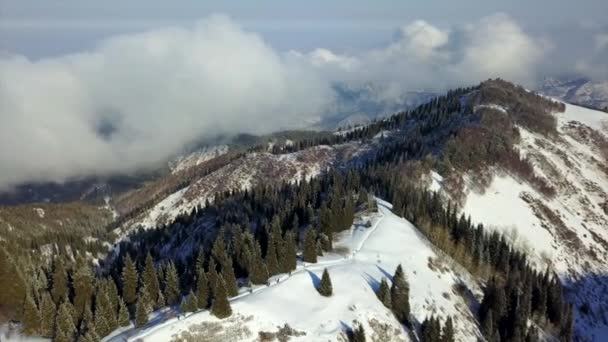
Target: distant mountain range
(580,91)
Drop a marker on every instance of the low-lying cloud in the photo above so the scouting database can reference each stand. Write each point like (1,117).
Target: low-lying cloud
(134,100)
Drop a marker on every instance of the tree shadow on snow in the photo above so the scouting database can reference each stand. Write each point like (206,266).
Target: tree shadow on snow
(316,281)
(373,283)
(385,273)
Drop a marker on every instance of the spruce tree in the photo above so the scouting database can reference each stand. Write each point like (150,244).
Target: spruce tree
(83,289)
(358,334)
(212,277)
(141,311)
(31,317)
(258,273)
(325,287)
(123,314)
(310,247)
(202,289)
(400,296)
(150,281)
(60,282)
(48,311)
(228,274)
(274,236)
(12,285)
(221,306)
(64,323)
(90,335)
(384,293)
(290,258)
(105,315)
(189,303)
(129,281)
(171,284)
(448,331)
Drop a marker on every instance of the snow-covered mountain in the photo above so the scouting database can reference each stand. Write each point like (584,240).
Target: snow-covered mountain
(566,232)
(368,253)
(580,91)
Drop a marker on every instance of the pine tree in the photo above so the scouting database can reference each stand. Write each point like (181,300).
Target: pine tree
(189,304)
(64,323)
(123,314)
(221,306)
(202,288)
(274,236)
(448,331)
(48,311)
(129,281)
(325,287)
(83,289)
(400,293)
(150,281)
(228,274)
(258,273)
(487,326)
(90,335)
(212,277)
(358,334)
(384,293)
(12,285)
(290,258)
(141,312)
(105,315)
(171,284)
(31,317)
(310,247)
(60,282)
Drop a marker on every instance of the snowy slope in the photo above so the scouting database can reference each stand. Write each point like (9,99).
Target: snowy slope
(569,231)
(368,254)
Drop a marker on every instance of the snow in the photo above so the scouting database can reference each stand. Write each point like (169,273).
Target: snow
(490,106)
(40,212)
(11,334)
(501,208)
(369,254)
(198,157)
(436,181)
(167,206)
(592,118)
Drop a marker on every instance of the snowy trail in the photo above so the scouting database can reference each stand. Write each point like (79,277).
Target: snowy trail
(138,334)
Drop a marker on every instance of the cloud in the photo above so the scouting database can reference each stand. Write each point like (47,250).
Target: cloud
(136,99)
(594,65)
(424,56)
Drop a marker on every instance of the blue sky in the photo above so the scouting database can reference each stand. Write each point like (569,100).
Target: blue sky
(41,28)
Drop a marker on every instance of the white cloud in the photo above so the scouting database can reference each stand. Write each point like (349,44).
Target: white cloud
(595,63)
(136,99)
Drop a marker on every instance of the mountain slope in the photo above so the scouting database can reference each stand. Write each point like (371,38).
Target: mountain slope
(567,231)
(369,254)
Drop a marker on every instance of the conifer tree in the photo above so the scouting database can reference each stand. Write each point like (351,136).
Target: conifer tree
(90,335)
(232,287)
(129,281)
(325,287)
(171,284)
(48,311)
(123,314)
(290,258)
(258,273)
(221,306)
(64,323)
(384,293)
(400,296)
(202,288)
(160,300)
(487,326)
(141,311)
(310,247)
(105,315)
(189,303)
(83,289)
(358,334)
(12,284)
(274,236)
(60,282)
(212,277)
(31,317)
(448,331)
(150,280)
